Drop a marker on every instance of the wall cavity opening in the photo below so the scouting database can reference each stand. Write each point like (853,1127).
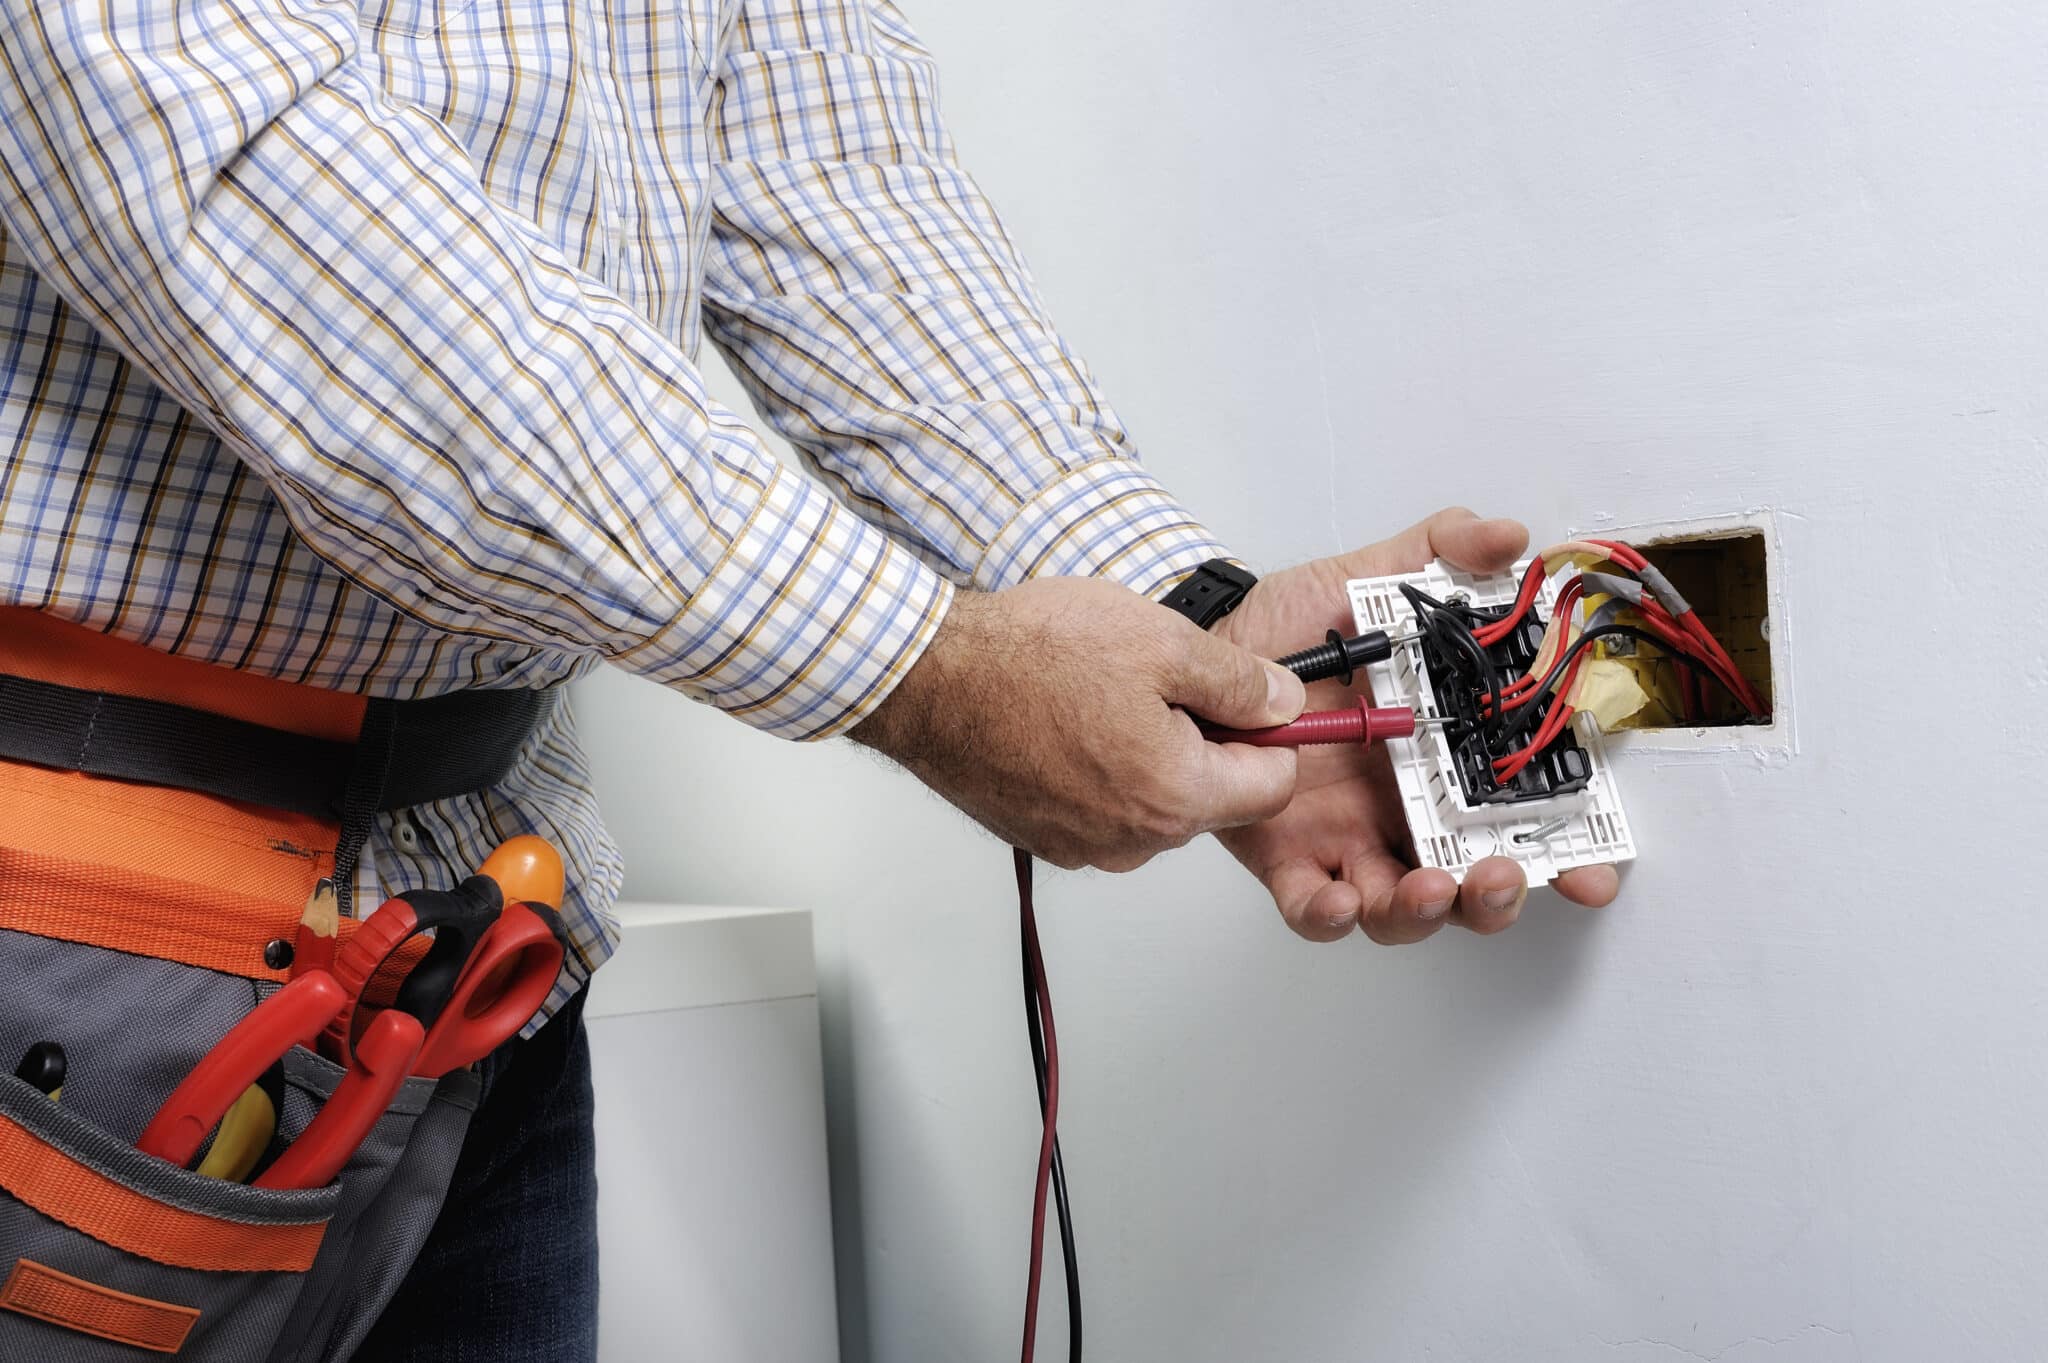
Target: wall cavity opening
(1725,574)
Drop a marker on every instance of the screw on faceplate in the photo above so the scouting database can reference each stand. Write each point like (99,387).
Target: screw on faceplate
(1544,832)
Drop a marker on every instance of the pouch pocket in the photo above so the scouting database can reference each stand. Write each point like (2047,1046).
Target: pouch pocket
(391,1192)
(110,1254)
(64,1273)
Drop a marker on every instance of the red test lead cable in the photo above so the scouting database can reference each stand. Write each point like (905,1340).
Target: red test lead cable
(1039,1002)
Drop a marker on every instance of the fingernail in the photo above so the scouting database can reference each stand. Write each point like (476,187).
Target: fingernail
(1435,908)
(1284,696)
(1500,901)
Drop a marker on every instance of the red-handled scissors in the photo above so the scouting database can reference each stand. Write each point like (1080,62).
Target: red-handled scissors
(487,973)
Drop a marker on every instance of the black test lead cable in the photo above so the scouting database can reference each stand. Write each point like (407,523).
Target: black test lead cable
(1337,657)
(1036,995)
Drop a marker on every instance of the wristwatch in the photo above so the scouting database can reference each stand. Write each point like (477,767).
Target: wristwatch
(1211,592)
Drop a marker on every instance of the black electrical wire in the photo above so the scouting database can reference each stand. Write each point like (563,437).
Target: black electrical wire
(1439,620)
(1475,652)
(1485,615)
(1529,710)
(1032,966)
(1416,594)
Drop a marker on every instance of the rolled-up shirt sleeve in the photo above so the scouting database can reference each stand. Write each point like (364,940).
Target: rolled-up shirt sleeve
(446,408)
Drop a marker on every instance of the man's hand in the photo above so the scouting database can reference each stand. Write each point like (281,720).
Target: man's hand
(1052,713)
(1336,858)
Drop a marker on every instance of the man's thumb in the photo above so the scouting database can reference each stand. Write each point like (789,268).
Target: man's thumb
(1230,686)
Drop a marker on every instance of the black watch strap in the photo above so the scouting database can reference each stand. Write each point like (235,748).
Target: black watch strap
(1211,592)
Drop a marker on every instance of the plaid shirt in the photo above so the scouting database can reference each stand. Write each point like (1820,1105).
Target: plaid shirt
(352,344)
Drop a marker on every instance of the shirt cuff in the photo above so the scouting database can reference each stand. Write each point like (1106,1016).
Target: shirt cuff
(1109,519)
(806,624)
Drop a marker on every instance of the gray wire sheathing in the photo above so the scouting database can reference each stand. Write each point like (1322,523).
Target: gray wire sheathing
(1660,587)
(1604,616)
(1612,584)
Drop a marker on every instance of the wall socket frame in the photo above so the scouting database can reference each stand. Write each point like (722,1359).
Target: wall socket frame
(1585,827)
(1588,827)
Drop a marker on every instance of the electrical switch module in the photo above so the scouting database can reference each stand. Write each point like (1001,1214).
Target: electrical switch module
(1523,670)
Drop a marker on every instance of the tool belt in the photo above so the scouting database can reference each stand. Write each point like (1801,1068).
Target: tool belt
(162,823)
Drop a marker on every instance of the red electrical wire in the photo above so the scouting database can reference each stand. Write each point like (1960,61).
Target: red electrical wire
(1689,641)
(1511,765)
(1507,768)
(1514,693)
(1743,689)
(1657,622)
(1625,554)
(1517,693)
(1052,1099)
(1553,725)
(1685,635)
(1532,586)
(1691,624)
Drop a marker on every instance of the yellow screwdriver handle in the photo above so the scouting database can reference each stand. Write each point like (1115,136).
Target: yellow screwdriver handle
(245,1132)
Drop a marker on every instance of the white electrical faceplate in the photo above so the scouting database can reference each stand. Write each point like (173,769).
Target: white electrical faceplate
(1548,837)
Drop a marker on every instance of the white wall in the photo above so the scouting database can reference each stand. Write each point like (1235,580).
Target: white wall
(1340,262)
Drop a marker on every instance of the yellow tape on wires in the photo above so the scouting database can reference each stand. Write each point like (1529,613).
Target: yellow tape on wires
(1659,677)
(1575,554)
(1609,690)
(1554,642)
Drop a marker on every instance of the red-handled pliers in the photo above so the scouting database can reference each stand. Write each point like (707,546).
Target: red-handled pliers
(488,972)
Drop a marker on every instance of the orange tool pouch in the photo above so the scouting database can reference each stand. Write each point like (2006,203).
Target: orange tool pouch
(161,825)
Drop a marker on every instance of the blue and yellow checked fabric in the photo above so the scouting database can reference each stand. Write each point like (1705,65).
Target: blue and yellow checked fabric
(352,343)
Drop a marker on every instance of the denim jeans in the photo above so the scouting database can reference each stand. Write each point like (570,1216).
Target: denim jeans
(509,1272)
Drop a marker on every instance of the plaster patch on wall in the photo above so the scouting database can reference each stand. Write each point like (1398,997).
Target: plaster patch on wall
(1773,744)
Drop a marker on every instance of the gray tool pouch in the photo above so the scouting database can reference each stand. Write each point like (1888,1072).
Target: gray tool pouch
(110,1254)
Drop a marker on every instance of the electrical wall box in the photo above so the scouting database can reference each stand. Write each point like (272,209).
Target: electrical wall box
(1553,821)
(1730,567)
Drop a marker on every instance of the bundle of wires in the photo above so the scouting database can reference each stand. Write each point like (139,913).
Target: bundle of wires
(1638,602)
(1052,1169)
